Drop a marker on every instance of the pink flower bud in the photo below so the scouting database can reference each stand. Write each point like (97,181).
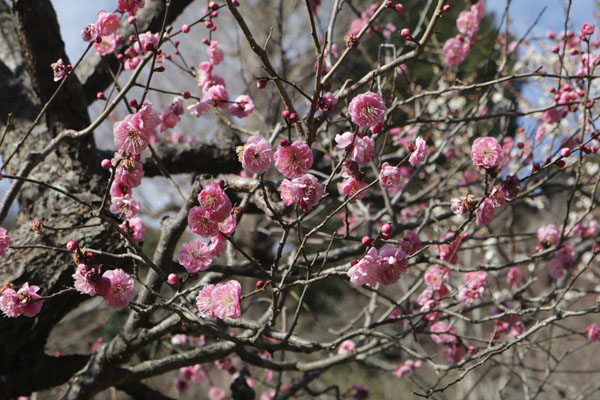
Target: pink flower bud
(405,33)
(293,118)
(72,245)
(133,103)
(213,5)
(565,152)
(560,163)
(555,49)
(100,96)
(399,9)
(261,83)
(285,113)
(260,284)
(587,29)
(131,20)
(185,28)
(106,164)
(365,241)
(172,279)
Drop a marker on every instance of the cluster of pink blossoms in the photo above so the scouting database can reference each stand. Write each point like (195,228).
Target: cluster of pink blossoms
(385,267)
(115,286)
(220,301)
(102,32)
(306,191)
(406,368)
(131,137)
(14,303)
(361,148)
(475,285)
(214,93)
(209,219)
(564,258)
(457,48)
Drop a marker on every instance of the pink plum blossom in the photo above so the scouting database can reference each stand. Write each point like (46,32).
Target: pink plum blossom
(59,69)
(204,302)
(200,223)
(436,276)
(4,240)
(107,23)
(200,107)
(129,136)
(306,191)
(344,140)
(351,186)
(293,160)
(89,33)
(390,177)
(107,45)
(514,276)
(204,73)
(125,206)
(410,243)
(121,289)
(130,6)
(418,155)
(217,245)
(393,264)
(593,332)
(228,225)
(218,95)
(346,346)
(195,256)
(455,51)
(548,235)
(15,303)
(468,24)
(453,353)
(225,300)
(242,107)
(363,149)
(215,202)
(449,251)
(216,393)
(406,368)
(256,155)
(130,172)
(86,277)
(486,152)
(485,212)
(442,333)
(367,271)
(366,109)
(215,54)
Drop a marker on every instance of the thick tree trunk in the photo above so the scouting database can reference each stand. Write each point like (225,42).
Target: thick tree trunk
(30,43)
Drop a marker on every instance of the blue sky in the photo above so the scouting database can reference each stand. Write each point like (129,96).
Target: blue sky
(74,14)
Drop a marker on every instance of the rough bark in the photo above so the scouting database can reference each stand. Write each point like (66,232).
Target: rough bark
(29,42)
